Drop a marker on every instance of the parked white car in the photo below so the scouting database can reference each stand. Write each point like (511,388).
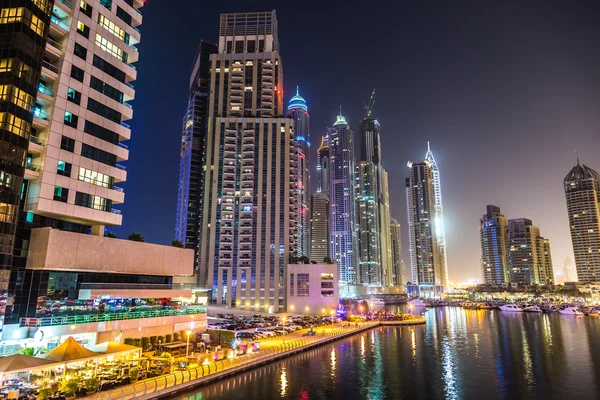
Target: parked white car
(265,332)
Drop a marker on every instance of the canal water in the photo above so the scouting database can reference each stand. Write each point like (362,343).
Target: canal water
(459,354)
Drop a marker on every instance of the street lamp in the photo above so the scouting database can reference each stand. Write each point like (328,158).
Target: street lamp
(332,314)
(187,347)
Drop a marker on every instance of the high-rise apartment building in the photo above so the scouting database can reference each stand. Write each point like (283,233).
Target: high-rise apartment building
(528,254)
(398,277)
(384,230)
(249,212)
(492,231)
(193,152)
(438,219)
(323,174)
(370,139)
(319,225)
(426,268)
(367,224)
(75,124)
(342,200)
(24,27)
(298,111)
(320,207)
(582,191)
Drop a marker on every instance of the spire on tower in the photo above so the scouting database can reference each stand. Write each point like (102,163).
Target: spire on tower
(577,155)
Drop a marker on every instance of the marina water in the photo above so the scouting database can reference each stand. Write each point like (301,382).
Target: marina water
(459,354)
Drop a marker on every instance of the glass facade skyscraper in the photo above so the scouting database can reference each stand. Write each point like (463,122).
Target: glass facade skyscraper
(582,192)
(492,230)
(298,111)
(193,152)
(343,202)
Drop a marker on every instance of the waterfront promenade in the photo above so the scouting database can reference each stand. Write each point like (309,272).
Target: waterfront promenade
(271,350)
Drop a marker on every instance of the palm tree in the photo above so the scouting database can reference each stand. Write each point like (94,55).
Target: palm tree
(110,235)
(177,243)
(136,237)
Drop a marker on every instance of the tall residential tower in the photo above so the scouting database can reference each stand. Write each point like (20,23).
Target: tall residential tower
(342,200)
(298,111)
(188,225)
(426,268)
(492,231)
(320,208)
(528,254)
(249,212)
(398,277)
(582,191)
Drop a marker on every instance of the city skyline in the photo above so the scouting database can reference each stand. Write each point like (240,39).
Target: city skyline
(466,123)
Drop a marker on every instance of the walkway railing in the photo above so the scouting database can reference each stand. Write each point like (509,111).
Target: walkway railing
(105,317)
(153,386)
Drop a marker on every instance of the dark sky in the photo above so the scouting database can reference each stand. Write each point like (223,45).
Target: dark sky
(505,91)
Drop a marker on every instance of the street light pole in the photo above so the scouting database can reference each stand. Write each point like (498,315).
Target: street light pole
(187,345)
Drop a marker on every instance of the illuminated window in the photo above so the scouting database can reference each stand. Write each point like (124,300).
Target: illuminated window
(6,65)
(18,97)
(10,15)
(95,178)
(110,48)
(113,28)
(7,212)
(15,125)
(83,30)
(43,5)
(85,8)
(37,25)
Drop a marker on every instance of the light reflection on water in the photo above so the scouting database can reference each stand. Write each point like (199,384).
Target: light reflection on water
(460,354)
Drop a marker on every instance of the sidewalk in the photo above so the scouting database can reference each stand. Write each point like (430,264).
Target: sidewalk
(271,350)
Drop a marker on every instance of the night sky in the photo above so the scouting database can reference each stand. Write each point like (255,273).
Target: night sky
(505,91)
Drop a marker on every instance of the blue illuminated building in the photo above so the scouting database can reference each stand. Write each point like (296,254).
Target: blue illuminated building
(193,157)
(298,111)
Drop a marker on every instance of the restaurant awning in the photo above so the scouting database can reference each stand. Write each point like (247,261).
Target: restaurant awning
(114,347)
(20,362)
(69,350)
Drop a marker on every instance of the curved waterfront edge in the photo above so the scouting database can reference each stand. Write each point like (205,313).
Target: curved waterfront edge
(167,385)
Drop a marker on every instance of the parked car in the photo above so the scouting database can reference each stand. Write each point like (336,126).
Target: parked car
(266,332)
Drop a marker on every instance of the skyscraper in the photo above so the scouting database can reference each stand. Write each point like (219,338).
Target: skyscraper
(342,200)
(298,110)
(367,224)
(582,191)
(323,174)
(398,278)
(528,254)
(385,230)
(193,156)
(249,212)
(426,268)
(493,230)
(69,72)
(320,207)
(438,219)
(319,225)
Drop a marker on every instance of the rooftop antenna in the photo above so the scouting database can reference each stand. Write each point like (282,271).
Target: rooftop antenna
(369,106)
(428,148)
(340,110)
(297,91)
(577,155)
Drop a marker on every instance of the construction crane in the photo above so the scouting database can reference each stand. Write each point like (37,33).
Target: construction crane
(369,106)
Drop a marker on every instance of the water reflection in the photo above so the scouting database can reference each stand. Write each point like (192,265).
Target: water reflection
(284,382)
(460,354)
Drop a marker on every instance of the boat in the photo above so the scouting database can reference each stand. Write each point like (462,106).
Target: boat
(467,305)
(532,309)
(570,311)
(416,303)
(375,301)
(511,307)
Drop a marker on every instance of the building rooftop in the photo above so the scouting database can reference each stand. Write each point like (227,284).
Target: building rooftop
(297,102)
(581,172)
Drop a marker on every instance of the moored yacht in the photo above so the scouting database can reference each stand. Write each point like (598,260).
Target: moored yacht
(570,311)
(511,307)
(532,309)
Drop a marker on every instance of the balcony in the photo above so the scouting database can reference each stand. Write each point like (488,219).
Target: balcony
(64,5)
(58,27)
(43,89)
(50,71)
(115,211)
(54,48)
